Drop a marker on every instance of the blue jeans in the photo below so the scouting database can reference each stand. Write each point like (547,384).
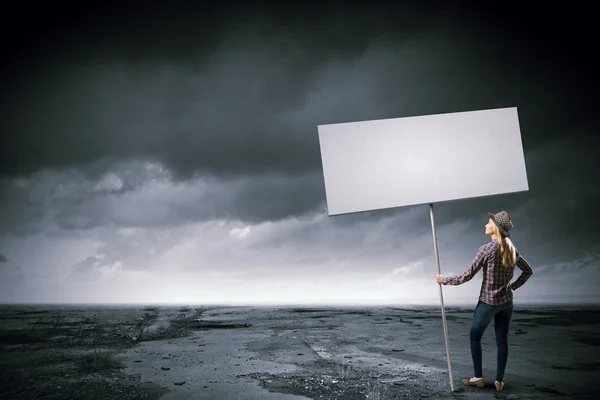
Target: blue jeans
(481,319)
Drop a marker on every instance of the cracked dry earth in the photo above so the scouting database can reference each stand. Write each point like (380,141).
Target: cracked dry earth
(369,353)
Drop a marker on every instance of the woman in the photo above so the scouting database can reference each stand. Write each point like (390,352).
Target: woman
(498,259)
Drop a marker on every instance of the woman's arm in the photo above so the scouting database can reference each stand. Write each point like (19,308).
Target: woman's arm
(479,261)
(526,274)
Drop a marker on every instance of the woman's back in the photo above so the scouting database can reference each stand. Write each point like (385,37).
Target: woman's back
(495,288)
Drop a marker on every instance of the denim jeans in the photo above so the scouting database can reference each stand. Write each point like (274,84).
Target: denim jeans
(481,319)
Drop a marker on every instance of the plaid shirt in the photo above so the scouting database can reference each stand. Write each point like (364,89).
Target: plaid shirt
(495,289)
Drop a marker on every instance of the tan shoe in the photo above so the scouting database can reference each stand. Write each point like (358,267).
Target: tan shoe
(479,382)
(499,386)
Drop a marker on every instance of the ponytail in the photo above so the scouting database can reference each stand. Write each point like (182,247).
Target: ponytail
(507,250)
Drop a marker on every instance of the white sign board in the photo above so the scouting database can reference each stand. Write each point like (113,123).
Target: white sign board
(370,165)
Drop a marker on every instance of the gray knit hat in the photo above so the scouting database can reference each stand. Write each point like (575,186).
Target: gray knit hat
(502,221)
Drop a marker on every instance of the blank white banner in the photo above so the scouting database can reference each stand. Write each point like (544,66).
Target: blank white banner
(370,165)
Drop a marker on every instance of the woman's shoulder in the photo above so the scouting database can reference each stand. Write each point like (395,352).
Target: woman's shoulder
(489,245)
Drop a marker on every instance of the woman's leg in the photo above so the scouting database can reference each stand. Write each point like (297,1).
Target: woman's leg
(501,322)
(481,319)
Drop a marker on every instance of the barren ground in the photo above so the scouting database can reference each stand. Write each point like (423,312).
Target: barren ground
(67,352)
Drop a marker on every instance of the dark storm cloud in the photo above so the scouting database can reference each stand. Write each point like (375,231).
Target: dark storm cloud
(9,271)
(245,92)
(141,195)
(208,98)
(588,264)
(138,194)
(237,102)
(87,270)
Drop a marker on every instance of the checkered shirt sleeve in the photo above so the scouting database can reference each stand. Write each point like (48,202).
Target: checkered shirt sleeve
(527,272)
(480,260)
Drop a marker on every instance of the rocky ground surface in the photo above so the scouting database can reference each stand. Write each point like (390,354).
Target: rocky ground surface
(288,353)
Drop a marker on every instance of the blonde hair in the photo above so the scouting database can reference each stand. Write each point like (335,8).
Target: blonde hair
(508,253)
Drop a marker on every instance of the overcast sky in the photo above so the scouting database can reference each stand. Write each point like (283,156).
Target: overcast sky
(172,156)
